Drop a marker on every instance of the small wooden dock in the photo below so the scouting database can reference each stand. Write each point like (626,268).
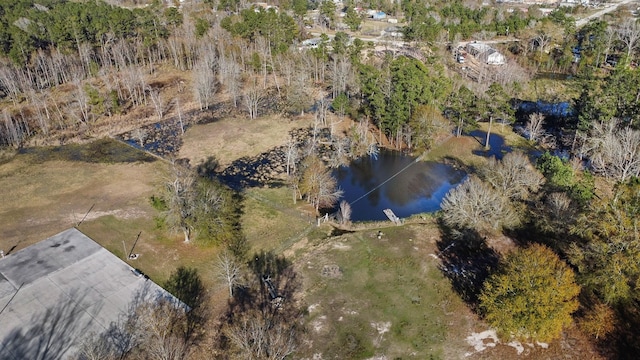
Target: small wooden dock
(392,216)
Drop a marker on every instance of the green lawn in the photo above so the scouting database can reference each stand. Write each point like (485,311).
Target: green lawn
(271,221)
(389,298)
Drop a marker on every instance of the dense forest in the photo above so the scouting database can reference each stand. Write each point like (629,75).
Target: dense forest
(72,71)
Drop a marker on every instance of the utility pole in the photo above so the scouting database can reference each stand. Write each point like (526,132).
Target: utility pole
(134,245)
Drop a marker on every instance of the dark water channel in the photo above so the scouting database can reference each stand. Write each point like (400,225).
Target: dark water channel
(397,182)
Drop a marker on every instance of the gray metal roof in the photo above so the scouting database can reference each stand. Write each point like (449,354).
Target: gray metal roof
(69,286)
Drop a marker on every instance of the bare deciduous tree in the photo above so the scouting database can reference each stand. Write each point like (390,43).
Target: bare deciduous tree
(299,93)
(140,135)
(81,102)
(258,336)
(230,76)
(9,82)
(535,126)
(362,142)
(253,96)
(156,99)
(344,213)
(322,109)
(318,184)
(514,176)
(204,83)
(559,207)
(12,134)
(151,327)
(179,200)
(542,40)
(615,150)
(95,347)
(42,112)
(341,151)
(158,324)
(340,72)
(629,35)
(133,80)
(228,270)
(474,204)
(293,154)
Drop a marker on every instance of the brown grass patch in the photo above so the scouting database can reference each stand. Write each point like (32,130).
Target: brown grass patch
(232,138)
(40,200)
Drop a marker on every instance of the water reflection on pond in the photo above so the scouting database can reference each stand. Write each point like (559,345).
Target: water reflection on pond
(395,181)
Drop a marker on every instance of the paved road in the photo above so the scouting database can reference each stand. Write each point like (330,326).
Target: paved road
(606,10)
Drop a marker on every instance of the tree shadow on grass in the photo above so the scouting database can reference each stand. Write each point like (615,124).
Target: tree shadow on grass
(270,277)
(185,284)
(263,310)
(466,261)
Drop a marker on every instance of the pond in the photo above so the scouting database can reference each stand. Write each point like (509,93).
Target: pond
(497,147)
(554,112)
(397,182)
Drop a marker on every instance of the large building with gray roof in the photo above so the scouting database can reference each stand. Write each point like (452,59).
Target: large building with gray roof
(56,292)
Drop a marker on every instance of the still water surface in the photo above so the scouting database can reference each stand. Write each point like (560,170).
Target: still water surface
(397,182)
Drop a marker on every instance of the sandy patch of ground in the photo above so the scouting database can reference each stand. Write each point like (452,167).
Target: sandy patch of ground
(382,328)
(489,339)
(341,246)
(128,213)
(319,323)
(481,341)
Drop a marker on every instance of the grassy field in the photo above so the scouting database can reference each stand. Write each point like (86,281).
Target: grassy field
(272,222)
(232,138)
(371,296)
(366,297)
(52,189)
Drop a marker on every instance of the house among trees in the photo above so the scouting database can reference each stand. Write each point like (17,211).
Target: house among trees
(392,31)
(485,53)
(264,6)
(311,43)
(376,14)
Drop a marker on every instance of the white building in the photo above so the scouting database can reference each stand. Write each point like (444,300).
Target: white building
(492,57)
(485,53)
(60,291)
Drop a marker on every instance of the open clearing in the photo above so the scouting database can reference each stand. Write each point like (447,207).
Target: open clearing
(367,297)
(42,199)
(382,298)
(232,138)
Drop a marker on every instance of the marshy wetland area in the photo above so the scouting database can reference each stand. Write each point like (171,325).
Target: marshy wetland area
(367,289)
